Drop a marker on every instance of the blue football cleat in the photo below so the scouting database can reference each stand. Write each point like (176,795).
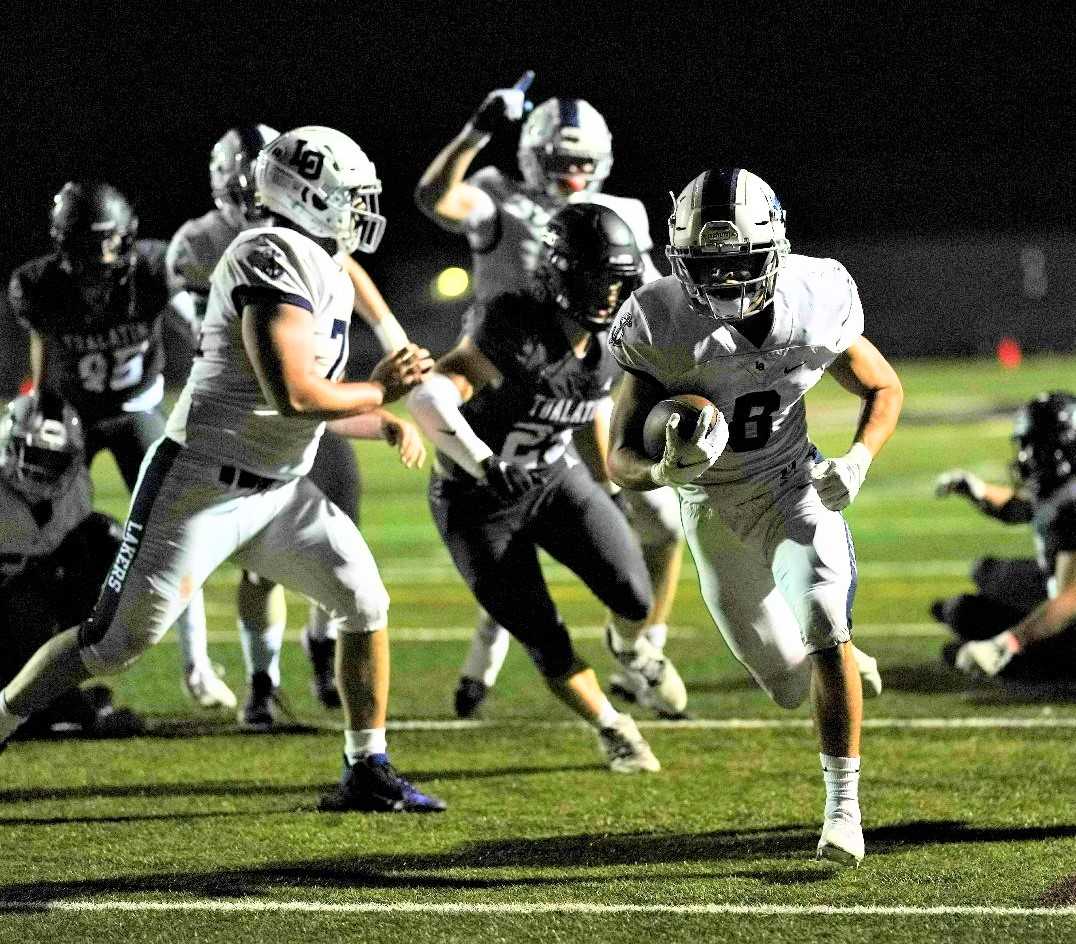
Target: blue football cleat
(373,786)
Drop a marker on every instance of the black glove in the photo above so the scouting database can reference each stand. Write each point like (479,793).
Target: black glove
(507,479)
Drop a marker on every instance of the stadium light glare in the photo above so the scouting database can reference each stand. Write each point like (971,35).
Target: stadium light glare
(451,283)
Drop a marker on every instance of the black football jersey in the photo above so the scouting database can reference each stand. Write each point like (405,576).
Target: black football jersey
(547,391)
(1054,524)
(104,353)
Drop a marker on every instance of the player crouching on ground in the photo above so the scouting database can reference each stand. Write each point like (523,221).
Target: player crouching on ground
(54,555)
(507,479)
(1035,610)
(752,328)
(229,477)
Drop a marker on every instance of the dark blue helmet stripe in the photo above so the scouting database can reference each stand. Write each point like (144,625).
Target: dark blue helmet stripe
(569,112)
(719,187)
(251,140)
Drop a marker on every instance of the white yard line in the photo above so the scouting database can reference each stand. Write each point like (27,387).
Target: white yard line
(259,905)
(464,633)
(988,723)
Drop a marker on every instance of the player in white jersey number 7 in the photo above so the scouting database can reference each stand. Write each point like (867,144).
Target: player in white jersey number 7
(228,479)
(750,327)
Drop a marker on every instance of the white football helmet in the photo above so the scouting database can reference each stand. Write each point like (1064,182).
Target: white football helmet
(231,172)
(727,242)
(565,147)
(323,182)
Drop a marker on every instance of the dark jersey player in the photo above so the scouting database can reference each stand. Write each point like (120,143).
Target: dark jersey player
(1022,623)
(54,554)
(95,309)
(501,408)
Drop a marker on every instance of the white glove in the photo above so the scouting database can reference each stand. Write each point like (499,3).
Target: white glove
(959,482)
(987,656)
(838,481)
(685,460)
(502,105)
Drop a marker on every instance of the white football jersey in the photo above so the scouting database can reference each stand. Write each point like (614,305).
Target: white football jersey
(222,411)
(506,234)
(817,314)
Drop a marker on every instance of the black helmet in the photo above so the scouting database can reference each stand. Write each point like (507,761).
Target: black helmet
(1045,438)
(591,263)
(41,445)
(94,227)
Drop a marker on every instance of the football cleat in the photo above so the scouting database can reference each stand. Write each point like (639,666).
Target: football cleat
(322,656)
(651,674)
(841,842)
(372,785)
(633,689)
(259,711)
(626,749)
(205,687)
(868,673)
(470,693)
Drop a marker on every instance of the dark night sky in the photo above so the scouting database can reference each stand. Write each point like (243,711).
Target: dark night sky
(863,122)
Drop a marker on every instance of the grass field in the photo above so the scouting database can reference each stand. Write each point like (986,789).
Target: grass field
(199,833)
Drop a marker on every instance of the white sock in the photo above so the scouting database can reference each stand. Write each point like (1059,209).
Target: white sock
(607,715)
(841,775)
(9,721)
(658,634)
(357,744)
(320,625)
(489,649)
(261,649)
(191,633)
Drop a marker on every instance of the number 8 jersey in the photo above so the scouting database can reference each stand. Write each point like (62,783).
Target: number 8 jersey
(817,314)
(222,412)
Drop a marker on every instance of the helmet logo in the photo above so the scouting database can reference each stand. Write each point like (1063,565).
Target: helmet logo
(717,234)
(307,161)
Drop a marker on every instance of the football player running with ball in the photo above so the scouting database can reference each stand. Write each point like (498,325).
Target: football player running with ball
(752,328)
(501,408)
(192,255)
(229,477)
(565,155)
(95,309)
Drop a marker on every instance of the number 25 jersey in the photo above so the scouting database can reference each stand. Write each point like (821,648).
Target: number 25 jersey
(222,412)
(817,315)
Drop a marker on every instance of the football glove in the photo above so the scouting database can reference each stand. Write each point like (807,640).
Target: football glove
(987,656)
(838,481)
(508,479)
(684,460)
(959,482)
(502,105)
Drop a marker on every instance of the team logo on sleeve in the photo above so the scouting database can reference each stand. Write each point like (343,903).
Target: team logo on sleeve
(267,262)
(616,332)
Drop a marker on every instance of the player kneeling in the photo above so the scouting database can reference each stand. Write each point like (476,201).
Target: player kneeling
(507,480)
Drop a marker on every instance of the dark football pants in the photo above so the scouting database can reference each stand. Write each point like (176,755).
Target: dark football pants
(128,437)
(336,472)
(1008,591)
(495,548)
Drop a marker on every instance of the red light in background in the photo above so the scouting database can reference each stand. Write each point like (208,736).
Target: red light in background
(1009,353)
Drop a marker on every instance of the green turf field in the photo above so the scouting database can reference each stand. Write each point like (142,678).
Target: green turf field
(203,834)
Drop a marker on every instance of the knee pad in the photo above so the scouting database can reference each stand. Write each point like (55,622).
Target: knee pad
(368,614)
(824,624)
(111,654)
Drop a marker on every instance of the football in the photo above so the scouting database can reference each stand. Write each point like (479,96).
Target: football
(688,405)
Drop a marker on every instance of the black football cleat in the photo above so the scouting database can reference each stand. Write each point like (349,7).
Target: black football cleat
(259,711)
(373,786)
(322,655)
(470,693)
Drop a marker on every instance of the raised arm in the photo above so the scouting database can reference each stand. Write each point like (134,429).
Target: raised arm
(370,305)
